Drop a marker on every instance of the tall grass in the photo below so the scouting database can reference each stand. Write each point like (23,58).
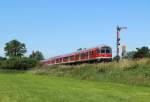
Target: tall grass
(135,72)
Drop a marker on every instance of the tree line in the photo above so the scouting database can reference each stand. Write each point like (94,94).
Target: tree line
(15,56)
(143,52)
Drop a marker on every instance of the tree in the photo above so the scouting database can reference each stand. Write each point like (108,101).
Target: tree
(129,55)
(37,55)
(2,58)
(116,58)
(143,52)
(15,48)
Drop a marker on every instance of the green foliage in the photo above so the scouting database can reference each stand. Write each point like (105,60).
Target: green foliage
(37,55)
(15,48)
(143,52)
(18,64)
(2,58)
(116,58)
(129,55)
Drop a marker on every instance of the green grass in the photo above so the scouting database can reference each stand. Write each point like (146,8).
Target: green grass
(125,72)
(29,87)
(127,81)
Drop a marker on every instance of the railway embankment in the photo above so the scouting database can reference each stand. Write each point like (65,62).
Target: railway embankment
(133,72)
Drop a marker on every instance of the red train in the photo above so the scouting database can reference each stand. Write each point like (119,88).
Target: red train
(97,54)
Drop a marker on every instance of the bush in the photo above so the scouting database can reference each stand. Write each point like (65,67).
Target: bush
(18,63)
(2,58)
(143,52)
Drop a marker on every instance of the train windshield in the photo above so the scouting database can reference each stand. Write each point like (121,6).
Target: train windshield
(108,51)
(105,50)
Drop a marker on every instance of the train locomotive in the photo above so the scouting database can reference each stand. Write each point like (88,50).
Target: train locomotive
(101,53)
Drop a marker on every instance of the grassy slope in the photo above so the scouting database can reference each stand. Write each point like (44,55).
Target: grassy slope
(126,72)
(27,87)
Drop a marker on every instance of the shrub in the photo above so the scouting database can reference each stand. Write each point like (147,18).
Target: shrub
(143,52)
(18,64)
(2,58)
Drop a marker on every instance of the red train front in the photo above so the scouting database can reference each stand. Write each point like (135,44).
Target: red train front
(97,54)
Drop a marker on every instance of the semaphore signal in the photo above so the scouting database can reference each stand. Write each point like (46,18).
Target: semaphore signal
(118,40)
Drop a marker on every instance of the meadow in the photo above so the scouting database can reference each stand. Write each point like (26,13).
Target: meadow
(28,87)
(127,81)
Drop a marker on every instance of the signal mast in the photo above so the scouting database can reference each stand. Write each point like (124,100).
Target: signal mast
(118,40)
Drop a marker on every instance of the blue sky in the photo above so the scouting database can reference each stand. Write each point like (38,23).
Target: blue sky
(56,27)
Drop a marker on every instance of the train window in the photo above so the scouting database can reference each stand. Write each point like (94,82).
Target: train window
(91,52)
(77,56)
(60,59)
(71,57)
(65,58)
(102,51)
(98,51)
(83,55)
(108,51)
(86,53)
(57,60)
